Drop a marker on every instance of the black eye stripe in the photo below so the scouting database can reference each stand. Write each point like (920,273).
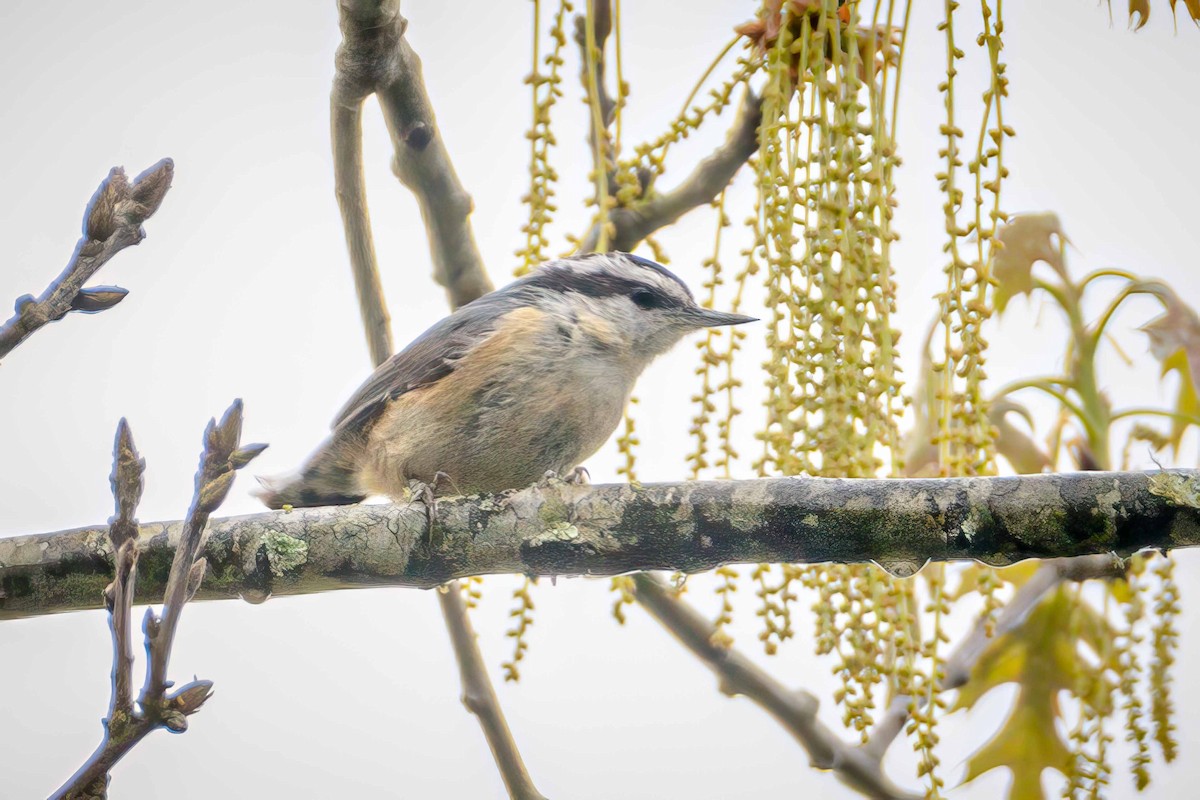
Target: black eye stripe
(646,298)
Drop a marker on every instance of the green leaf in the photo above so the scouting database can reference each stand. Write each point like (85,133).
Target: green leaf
(1043,661)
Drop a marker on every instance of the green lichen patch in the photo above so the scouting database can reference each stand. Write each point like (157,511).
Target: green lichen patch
(558,532)
(284,553)
(1179,490)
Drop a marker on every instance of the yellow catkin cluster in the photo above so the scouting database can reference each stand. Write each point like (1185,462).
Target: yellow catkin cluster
(623,587)
(602,146)
(649,158)
(725,590)
(1089,772)
(710,356)
(542,176)
(1165,641)
(965,435)
(822,235)
(523,619)
(1129,671)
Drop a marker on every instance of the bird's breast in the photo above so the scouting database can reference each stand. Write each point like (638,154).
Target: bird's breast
(539,394)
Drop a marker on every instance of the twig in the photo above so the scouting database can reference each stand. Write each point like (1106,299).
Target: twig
(374,57)
(561,529)
(346,113)
(479,696)
(126,725)
(632,224)
(602,13)
(795,710)
(113,222)
(593,78)
(963,658)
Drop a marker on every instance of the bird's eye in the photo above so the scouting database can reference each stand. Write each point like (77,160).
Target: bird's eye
(644,298)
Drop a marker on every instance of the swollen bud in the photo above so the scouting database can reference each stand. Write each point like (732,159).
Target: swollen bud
(97,298)
(195,577)
(189,699)
(244,455)
(102,211)
(150,624)
(151,187)
(174,721)
(213,493)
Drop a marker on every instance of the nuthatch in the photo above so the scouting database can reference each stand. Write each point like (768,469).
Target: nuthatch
(530,379)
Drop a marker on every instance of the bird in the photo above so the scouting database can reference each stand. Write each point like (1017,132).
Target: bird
(524,382)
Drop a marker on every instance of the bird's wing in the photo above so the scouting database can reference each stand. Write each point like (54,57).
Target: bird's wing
(431,357)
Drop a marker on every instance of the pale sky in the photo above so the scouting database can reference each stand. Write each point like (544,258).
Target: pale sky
(243,290)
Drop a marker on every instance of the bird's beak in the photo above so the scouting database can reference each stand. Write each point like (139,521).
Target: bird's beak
(707,318)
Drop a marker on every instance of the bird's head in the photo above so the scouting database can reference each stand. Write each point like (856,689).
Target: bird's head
(643,302)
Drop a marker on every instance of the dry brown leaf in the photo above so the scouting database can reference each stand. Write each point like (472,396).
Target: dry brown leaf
(1025,240)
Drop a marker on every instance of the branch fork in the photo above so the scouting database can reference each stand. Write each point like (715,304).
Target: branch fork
(127,723)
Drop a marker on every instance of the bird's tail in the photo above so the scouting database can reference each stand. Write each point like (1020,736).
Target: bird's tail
(328,478)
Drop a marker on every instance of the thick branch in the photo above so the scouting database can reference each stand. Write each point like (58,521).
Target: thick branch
(113,221)
(795,710)
(633,224)
(560,529)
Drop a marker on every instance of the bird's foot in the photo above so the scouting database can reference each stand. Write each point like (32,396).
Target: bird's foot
(427,493)
(577,476)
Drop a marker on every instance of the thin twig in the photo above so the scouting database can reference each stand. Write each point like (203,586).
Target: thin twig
(592,76)
(479,696)
(692,526)
(113,222)
(126,725)
(794,709)
(632,224)
(356,220)
(374,57)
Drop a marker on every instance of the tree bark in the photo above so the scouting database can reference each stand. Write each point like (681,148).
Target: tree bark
(560,529)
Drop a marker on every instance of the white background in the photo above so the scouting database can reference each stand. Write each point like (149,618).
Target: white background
(243,289)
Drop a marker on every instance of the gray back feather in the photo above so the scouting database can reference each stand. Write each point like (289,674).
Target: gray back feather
(434,354)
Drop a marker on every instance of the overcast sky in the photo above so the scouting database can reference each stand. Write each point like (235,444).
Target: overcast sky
(243,290)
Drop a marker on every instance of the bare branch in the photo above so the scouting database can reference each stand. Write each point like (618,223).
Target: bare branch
(125,725)
(592,67)
(557,529)
(375,58)
(479,696)
(795,710)
(127,485)
(356,220)
(113,222)
(634,223)
(602,12)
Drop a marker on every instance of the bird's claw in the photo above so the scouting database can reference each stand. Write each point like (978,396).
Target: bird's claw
(576,476)
(427,494)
